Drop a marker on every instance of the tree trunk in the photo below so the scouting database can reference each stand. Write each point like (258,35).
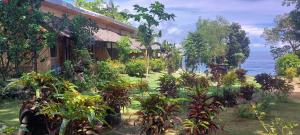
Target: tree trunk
(147,63)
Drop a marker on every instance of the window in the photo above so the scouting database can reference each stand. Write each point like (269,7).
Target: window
(53,51)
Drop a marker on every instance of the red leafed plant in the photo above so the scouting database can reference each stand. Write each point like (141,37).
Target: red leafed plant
(157,114)
(116,96)
(202,112)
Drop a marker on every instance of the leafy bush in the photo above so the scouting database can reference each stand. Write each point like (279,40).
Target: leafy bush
(228,97)
(281,89)
(241,75)
(116,95)
(142,86)
(229,79)
(68,70)
(192,80)
(77,108)
(287,61)
(157,65)
(168,86)
(217,72)
(277,126)
(34,85)
(202,112)
(157,114)
(247,90)
(290,73)
(245,111)
(105,72)
(275,86)
(117,65)
(136,68)
(265,80)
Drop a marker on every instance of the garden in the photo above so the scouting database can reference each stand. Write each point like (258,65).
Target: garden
(141,95)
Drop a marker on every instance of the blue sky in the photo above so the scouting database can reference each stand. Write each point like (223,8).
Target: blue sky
(253,15)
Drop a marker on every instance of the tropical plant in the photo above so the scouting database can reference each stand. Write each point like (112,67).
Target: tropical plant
(265,80)
(149,19)
(157,65)
(290,73)
(277,126)
(117,65)
(22,39)
(68,70)
(168,85)
(227,96)
(241,75)
(287,61)
(136,68)
(172,56)
(157,114)
(229,79)
(247,91)
(192,80)
(202,112)
(245,111)
(105,72)
(77,109)
(124,46)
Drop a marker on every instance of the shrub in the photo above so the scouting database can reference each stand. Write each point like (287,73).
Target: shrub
(116,95)
(247,91)
(68,70)
(142,86)
(168,86)
(245,111)
(275,86)
(157,114)
(117,65)
(80,111)
(287,61)
(105,72)
(281,89)
(136,68)
(225,95)
(157,65)
(202,112)
(241,75)
(290,73)
(192,80)
(277,126)
(265,80)
(229,79)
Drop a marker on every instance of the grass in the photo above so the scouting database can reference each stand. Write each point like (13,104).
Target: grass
(233,125)
(9,113)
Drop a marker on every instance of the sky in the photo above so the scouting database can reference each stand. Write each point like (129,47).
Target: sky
(253,15)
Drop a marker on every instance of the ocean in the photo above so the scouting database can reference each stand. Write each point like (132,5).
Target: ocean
(259,61)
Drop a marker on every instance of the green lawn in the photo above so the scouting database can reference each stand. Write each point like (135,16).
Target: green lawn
(9,113)
(233,125)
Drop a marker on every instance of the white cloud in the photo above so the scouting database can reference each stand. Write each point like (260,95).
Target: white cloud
(253,30)
(174,31)
(257,45)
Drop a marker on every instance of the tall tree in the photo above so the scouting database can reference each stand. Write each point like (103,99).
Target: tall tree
(172,56)
(22,30)
(196,51)
(149,19)
(107,8)
(238,49)
(283,37)
(214,32)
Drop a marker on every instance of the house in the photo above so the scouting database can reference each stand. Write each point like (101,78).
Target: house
(110,31)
